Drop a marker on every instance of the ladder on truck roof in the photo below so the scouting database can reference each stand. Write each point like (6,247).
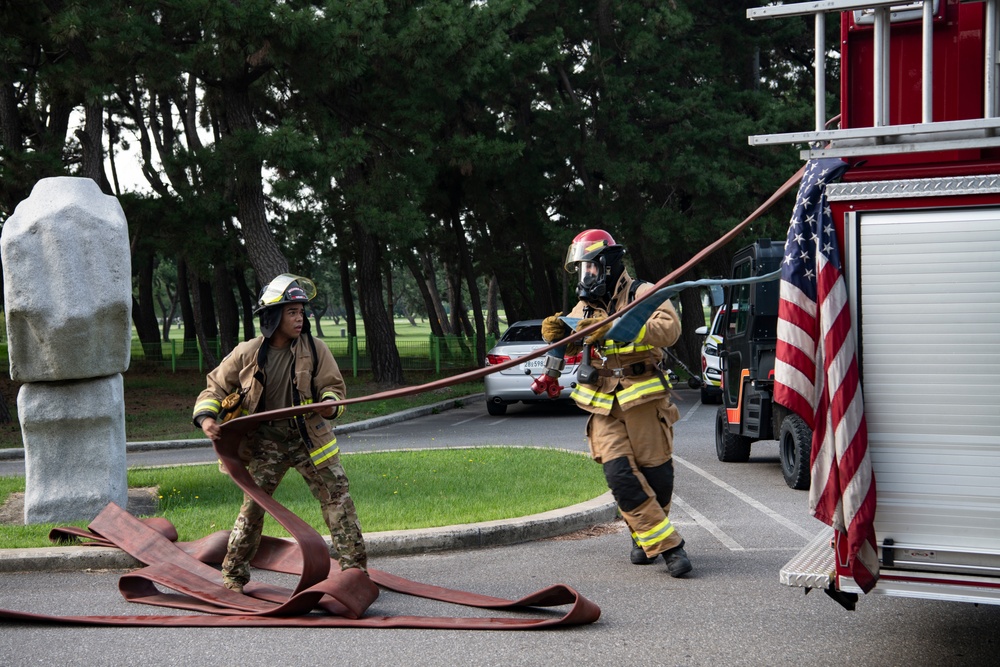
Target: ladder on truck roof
(882,138)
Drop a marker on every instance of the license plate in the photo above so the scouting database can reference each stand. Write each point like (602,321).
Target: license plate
(534,363)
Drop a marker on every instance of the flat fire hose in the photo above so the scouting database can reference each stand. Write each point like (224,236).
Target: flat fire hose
(344,596)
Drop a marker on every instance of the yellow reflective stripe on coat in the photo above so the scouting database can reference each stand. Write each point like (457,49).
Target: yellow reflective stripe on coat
(657,534)
(628,348)
(329,395)
(208,405)
(587,396)
(640,389)
(327,451)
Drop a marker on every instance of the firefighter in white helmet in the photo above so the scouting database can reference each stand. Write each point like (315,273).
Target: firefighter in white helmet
(630,429)
(283,367)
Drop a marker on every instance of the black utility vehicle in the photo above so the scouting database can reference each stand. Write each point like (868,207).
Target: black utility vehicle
(749,335)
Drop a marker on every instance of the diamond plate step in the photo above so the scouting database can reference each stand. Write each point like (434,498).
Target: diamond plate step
(813,567)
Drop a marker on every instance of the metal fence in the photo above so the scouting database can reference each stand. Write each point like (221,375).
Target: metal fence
(436,353)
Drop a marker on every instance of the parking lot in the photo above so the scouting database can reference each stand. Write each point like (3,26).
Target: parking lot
(741,523)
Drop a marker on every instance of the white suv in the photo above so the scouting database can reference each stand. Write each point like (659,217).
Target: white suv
(711,366)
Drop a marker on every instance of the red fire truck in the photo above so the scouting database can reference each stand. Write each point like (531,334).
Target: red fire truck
(918,219)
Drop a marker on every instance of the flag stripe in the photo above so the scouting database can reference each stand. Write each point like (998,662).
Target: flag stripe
(816,372)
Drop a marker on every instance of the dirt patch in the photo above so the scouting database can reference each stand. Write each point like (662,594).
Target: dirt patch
(148,388)
(142,501)
(592,531)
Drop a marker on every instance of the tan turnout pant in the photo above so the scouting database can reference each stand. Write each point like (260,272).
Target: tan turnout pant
(635,446)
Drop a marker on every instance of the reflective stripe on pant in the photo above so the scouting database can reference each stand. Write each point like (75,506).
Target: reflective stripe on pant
(274,451)
(635,447)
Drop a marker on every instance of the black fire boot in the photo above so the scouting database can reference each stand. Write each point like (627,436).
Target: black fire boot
(677,561)
(638,556)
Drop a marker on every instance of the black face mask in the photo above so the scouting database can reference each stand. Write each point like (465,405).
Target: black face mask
(592,285)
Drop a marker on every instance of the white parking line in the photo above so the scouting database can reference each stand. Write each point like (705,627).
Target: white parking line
(689,412)
(790,525)
(704,522)
(465,421)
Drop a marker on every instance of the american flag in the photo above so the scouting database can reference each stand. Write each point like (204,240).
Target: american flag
(816,372)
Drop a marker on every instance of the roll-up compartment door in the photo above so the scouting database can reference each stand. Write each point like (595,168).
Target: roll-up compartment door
(929,305)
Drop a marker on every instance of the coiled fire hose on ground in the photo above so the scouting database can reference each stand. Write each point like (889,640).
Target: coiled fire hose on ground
(186,567)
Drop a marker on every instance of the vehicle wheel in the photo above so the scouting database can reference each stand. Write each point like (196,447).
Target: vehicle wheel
(709,398)
(795,450)
(729,447)
(496,409)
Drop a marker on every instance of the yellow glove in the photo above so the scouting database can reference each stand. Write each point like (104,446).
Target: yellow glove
(553,329)
(596,336)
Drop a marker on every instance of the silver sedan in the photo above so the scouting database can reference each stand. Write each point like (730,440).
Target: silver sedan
(514,384)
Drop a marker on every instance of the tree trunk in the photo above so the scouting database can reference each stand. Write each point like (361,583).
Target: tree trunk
(318,316)
(432,307)
(263,251)
(92,142)
(187,310)
(454,299)
(431,283)
(465,259)
(390,300)
(143,313)
(492,314)
(10,125)
(248,301)
(350,315)
(169,310)
(204,325)
(229,317)
(387,369)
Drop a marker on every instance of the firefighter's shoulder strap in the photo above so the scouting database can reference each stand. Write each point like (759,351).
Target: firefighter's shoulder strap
(632,290)
(312,379)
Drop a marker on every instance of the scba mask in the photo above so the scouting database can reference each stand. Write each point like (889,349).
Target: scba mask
(592,280)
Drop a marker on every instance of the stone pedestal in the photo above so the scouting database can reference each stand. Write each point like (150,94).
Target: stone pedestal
(74,448)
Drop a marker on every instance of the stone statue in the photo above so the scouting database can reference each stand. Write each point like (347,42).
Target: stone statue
(68,300)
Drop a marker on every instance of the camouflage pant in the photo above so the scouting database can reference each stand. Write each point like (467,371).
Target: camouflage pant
(273,451)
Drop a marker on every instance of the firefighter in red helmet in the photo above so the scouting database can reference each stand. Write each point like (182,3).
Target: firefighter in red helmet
(630,429)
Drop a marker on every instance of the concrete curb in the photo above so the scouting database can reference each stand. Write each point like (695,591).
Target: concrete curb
(389,543)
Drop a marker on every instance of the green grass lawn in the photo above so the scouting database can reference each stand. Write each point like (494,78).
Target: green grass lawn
(392,491)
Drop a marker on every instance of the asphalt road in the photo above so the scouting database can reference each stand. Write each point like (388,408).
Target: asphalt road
(741,524)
